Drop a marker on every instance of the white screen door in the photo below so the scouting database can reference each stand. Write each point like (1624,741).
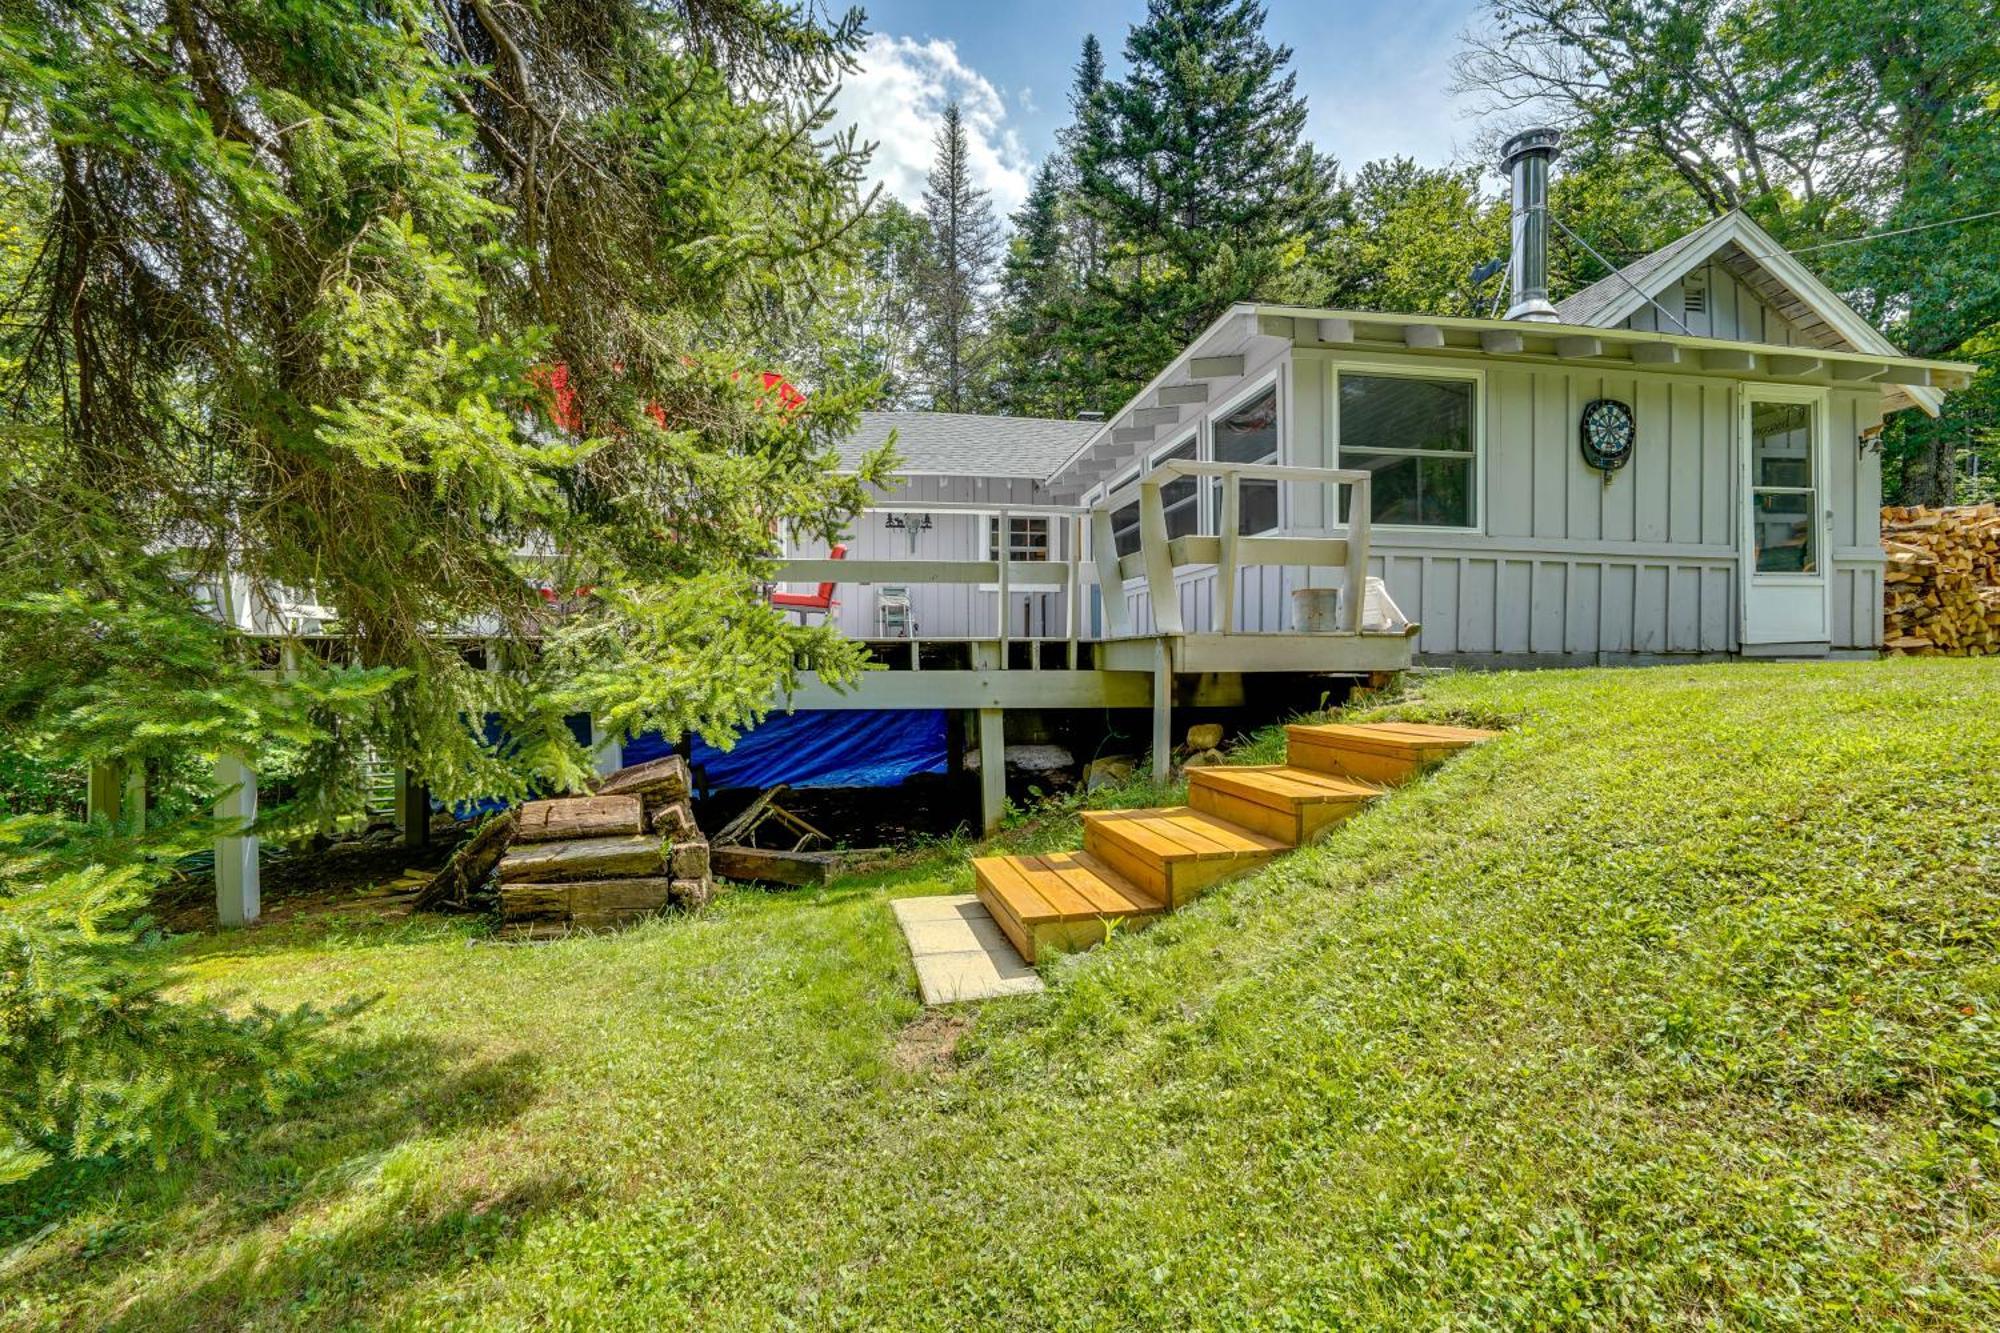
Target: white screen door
(1785,589)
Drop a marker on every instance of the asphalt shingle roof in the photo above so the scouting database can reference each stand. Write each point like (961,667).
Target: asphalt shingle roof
(963,445)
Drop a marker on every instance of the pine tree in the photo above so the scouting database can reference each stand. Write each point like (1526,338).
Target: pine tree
(1086,234)
(1036,294)
(964,240)
(1196,167)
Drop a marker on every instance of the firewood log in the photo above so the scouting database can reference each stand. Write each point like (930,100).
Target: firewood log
(583,859)
(580,817)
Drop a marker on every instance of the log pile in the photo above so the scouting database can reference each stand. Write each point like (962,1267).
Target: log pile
(1941,590)
(592,862)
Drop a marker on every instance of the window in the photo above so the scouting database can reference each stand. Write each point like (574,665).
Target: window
(1249,434)
(1125,521)
(1415,437)
(1027,537)
(1181,498)
(1783,498)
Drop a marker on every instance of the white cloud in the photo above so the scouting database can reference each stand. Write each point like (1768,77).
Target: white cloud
(898,96)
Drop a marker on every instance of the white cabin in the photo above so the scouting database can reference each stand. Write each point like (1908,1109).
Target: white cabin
(1744,520)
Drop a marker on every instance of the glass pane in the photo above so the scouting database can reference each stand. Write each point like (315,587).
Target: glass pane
(1394,412)
(1423,492)
(1781,444)
(1125,529)
(1178,497)
(1784,524)
(1259,503)
(1249,435)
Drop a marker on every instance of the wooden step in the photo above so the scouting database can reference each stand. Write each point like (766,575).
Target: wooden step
(1174,853)
(1059,900)
(1293,805)
(1377,751)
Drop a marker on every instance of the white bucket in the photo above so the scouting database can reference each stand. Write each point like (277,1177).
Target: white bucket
(1315,610)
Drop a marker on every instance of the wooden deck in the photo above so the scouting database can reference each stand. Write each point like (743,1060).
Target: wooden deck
(1137,865)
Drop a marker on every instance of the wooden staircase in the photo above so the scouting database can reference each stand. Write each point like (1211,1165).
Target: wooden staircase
(1137,864)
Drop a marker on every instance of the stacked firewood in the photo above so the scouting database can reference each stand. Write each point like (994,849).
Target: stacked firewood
(607,859)
(1941,591)
(629,849)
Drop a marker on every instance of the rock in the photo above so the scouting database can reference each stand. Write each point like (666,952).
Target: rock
(1107,771)
(1204,759)
(1204,736)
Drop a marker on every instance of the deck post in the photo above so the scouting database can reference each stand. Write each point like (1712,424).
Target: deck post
(607,750)
(1110,582)
(1163,709)
(101,792)
(413,809)
(1360,516)
(133,808)
(236,883)
(992,749)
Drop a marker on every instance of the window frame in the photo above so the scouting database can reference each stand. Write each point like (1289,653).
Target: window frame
(992,527)
(1477,454)
(1275,382)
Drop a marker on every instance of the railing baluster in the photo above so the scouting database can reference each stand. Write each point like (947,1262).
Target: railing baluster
(1227,532)
(1158,560)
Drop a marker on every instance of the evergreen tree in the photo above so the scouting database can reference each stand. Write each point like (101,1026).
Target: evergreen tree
(283,292)
(1085,233)
(964,242)
(1036,296)
(896,245)
(1195,166)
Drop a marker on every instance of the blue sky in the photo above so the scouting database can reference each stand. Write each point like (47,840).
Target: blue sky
(1376,77)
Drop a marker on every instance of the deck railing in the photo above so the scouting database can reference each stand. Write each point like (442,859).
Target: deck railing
(1229,550)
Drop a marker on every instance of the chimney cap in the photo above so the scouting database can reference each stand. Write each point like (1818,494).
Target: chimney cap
(1543,139)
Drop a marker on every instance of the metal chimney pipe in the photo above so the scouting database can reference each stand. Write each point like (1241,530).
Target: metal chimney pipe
(1525,158)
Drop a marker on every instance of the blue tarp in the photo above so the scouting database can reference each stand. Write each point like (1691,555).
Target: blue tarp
(826,748)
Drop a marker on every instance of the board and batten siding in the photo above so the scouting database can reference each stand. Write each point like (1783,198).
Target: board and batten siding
(1646,564)
(942,610)
(1730,310)
(1563,565)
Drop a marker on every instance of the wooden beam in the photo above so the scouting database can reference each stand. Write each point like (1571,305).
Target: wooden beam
(1336,330)
(1132,435)
(413,810)
(1857,372)
(1155,416)
(1912,375)
(1214,367)
(1501,344)
(759,865)
(1163,709)
(1423,335)
(1576,348)
(1794,365)
(1658,354)
(1276,326)
(1728,359)
(1182,394)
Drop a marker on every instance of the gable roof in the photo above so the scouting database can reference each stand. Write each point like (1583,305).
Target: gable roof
(1754,258)
(960,444)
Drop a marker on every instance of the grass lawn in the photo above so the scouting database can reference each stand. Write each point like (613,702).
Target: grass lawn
(1677,1004)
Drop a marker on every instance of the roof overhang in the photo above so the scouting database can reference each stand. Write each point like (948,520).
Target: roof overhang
(1140,423)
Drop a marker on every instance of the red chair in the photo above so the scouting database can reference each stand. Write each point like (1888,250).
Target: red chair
(808,603)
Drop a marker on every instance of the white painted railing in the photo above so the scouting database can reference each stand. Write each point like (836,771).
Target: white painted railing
(1228,550)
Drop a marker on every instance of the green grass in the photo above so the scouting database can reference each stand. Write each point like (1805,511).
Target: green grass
(1674,1005)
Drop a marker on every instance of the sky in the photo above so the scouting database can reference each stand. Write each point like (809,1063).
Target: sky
(1376,78)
